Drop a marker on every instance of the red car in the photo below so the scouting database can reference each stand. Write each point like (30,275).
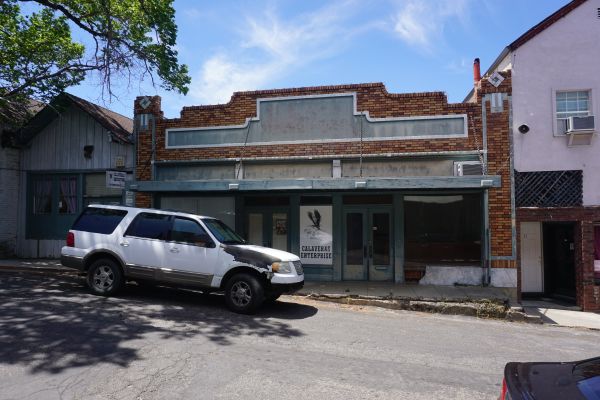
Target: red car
(578,380)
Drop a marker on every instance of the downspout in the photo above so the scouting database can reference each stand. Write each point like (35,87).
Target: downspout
(153,154)
(488,235)
(153,158)
(135,160)
(513,208)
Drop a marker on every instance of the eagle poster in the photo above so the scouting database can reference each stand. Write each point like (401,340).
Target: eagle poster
(316,235)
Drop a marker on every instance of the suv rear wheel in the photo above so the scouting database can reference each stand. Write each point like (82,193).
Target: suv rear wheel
(244,293)
(104,277)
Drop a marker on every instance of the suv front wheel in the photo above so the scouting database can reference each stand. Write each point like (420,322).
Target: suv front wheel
(244,293)
(104,277)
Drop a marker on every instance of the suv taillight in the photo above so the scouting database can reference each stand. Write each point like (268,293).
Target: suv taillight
(504,395)
(70,239)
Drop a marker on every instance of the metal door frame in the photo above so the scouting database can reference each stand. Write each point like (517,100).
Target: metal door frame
(267,213)
(367,212)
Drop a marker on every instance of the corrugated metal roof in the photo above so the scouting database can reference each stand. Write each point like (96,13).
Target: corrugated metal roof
(119,125)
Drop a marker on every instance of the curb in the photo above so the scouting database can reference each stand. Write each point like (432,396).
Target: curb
(491,309)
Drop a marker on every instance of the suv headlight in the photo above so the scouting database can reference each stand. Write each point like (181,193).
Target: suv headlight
(281,267)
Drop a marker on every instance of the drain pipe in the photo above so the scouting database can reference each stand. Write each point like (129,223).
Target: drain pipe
(488,236)
(153,154)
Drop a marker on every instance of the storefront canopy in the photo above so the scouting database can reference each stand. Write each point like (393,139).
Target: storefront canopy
(415,183)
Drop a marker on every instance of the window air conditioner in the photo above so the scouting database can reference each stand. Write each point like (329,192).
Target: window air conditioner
(580,130)
(577,124)
(464,168)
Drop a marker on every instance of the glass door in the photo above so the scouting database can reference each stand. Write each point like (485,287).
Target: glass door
(380,246)
(355,250)
(367,245)
(268,228)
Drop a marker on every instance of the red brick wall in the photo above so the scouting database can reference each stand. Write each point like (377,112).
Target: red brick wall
(588,294)
(375,99)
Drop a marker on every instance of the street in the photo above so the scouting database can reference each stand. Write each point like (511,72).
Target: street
(59,342)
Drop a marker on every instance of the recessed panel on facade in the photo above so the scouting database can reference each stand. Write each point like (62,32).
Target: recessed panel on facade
(316,119)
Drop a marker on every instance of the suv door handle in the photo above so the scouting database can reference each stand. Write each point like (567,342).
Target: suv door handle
(124,244)
(174,250)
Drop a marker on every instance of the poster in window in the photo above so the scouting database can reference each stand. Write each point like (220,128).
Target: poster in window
(316,235)
(281,226)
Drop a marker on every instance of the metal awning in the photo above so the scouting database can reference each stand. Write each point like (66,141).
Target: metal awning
(414,183)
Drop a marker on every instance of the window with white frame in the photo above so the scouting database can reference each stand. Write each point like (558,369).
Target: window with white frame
(573,103)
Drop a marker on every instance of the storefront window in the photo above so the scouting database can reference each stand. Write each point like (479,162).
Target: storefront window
(443,230)
(55,202)
(222,208)
(97,192)
(42,195)
(67,202)
(315,200)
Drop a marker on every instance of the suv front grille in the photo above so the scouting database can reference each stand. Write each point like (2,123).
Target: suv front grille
(298,267)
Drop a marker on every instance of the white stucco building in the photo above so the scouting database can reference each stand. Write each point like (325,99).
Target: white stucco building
(555,75)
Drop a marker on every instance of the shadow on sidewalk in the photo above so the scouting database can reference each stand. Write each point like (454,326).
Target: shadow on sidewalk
(50,324)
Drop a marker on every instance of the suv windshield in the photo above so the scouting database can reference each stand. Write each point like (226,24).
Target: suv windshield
(222,232)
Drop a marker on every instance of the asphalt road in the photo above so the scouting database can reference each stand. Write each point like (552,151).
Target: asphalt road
(59,342)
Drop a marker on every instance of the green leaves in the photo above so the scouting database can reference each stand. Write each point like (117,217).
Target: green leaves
(131,39)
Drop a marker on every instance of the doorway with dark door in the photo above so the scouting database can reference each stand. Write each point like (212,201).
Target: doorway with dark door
(559,260)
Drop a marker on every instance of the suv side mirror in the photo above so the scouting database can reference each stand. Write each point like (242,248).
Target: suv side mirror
(204,241)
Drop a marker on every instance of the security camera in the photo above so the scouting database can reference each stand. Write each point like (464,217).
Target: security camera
(523,129)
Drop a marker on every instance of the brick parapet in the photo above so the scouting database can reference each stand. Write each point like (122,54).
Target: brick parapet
(374,99)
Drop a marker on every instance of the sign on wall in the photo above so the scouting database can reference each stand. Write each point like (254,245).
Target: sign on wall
(129,198)
(116,179)
(316,235)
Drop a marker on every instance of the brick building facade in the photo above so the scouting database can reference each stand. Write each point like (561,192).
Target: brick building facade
(431,179)
(557,191)
(583,221)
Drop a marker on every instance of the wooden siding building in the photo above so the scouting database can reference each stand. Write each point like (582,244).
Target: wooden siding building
(65,152)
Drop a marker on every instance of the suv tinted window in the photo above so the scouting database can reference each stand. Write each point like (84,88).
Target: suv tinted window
(188,231)
(151,226)
(222,232)
(99,220)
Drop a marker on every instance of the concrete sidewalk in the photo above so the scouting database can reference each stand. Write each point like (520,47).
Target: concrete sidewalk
(557,314)
(467,300)
(536,311)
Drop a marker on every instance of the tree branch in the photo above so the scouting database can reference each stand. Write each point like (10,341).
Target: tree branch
(76,20)
(71,67)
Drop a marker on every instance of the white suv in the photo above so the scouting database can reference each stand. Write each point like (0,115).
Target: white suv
(113,243)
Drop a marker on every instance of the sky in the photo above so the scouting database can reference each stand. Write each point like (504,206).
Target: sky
(409,45)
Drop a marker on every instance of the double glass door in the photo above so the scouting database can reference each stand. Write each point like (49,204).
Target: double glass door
(268,228)
(367,251)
